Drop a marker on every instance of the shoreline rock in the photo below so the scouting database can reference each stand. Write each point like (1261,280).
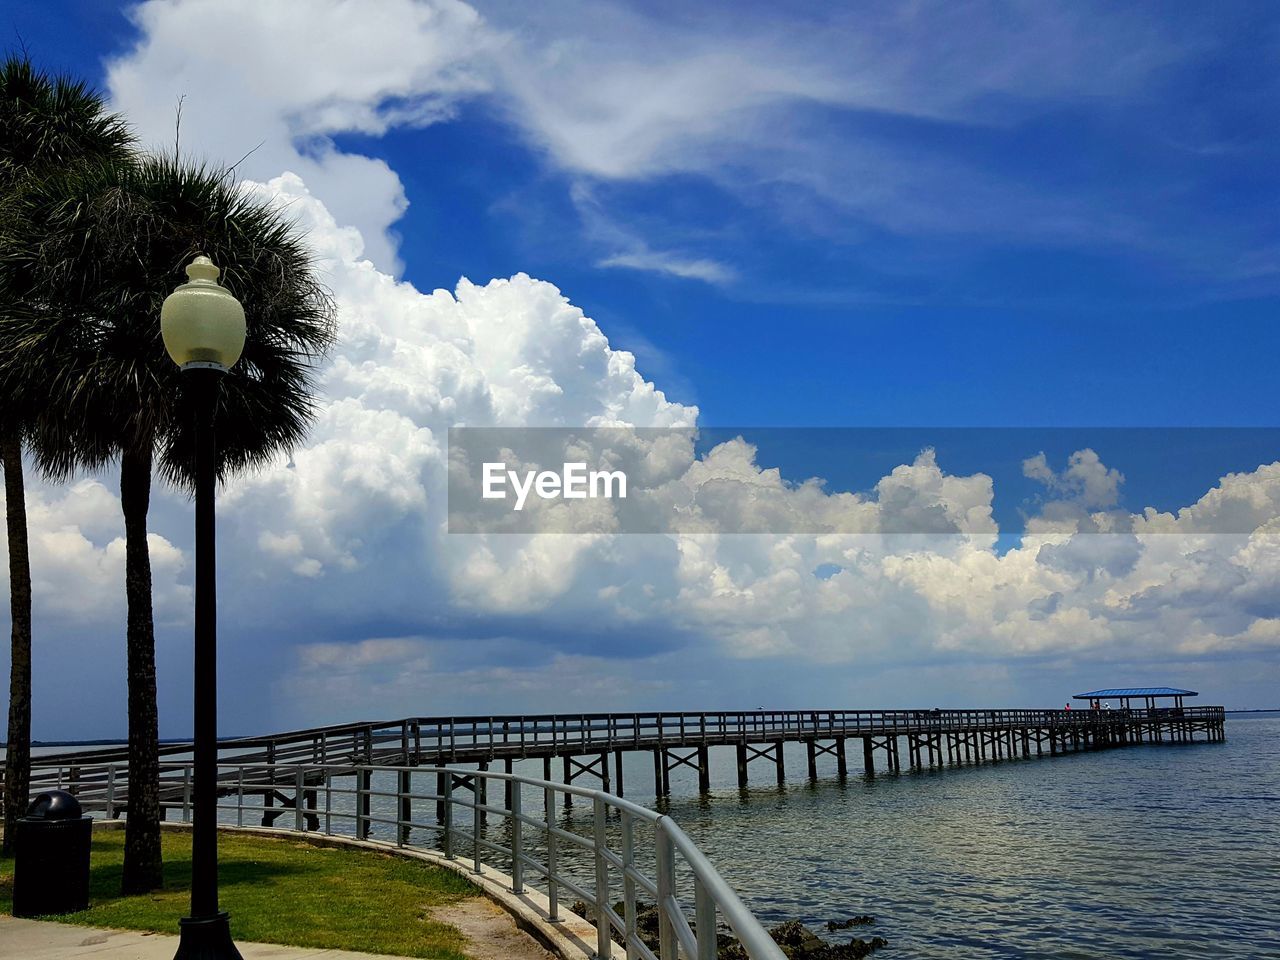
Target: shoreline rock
(862,920)
(796,940)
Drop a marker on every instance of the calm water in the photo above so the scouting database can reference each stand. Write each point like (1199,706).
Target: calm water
(1143,852)
(1139,852)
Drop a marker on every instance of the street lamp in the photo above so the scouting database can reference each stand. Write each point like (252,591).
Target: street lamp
(203,329)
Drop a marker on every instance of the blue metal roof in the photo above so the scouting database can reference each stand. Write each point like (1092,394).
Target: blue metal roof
(1136,692)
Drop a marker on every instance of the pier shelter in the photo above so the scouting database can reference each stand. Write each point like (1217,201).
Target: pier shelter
(1149,696)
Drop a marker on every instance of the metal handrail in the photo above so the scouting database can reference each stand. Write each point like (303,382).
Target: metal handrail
(462,813)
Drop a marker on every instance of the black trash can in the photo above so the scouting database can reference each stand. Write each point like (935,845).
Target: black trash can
(51,857)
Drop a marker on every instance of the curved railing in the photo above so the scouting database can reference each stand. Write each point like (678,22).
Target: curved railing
(620,854)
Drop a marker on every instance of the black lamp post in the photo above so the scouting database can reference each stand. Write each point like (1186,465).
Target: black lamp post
(203,329)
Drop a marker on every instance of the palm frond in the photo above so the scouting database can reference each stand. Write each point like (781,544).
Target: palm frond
(97,250)
(48,124)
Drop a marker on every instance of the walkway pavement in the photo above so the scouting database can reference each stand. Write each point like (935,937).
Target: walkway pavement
(42,940)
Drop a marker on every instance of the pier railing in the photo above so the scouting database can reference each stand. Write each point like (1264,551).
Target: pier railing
(450,739)
(626,855)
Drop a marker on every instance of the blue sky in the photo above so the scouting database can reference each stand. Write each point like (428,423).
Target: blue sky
(929,215)
(982,322)
(1074,258)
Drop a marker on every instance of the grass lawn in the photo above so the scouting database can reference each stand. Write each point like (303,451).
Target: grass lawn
(281,891)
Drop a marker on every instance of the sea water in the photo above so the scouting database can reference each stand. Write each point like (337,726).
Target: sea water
(1153,851)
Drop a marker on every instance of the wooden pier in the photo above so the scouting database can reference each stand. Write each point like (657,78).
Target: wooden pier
(593,745)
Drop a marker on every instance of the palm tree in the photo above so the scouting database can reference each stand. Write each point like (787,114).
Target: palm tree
(46,123)
(99,250)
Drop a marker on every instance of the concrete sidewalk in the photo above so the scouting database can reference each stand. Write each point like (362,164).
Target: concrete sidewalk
(42,940)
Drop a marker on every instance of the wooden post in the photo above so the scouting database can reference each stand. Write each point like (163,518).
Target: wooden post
(782,766)
(507,765)
(568,779)
(868,758)
(704,770)
(617,770)
(842,763)
(742,765)
(813,760)
(666,774)
(604,772)
(657,773)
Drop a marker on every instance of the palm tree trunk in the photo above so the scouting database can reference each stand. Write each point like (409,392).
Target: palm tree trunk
(17,764)
(142,860)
